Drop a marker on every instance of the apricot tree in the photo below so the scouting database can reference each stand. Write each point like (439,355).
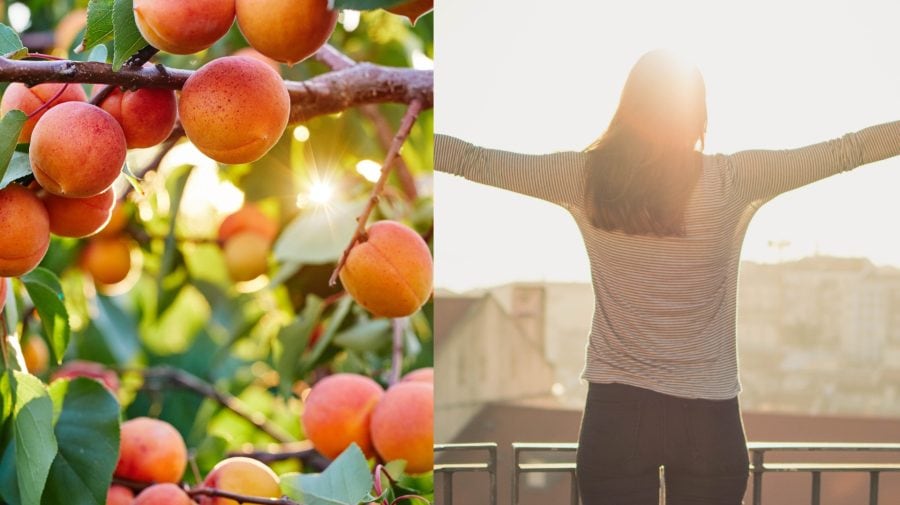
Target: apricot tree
(215,259)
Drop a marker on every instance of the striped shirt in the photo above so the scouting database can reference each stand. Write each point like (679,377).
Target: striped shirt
(665,307)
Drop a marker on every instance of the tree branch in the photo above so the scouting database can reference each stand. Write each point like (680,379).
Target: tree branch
(208,491)
(360,84)
(301,451)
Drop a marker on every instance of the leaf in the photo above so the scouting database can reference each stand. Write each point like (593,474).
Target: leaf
(10,127)
(18,167)
(128,39)
(35,444)
(87,431)
(117,328)
(319,235)
(99,24)
(327,336)
(363,5)
(346,481)
(46,292)
(368,336)
(175,184)
(294,338)
(10,44)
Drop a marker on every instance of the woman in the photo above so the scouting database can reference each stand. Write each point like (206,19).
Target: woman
(663,225)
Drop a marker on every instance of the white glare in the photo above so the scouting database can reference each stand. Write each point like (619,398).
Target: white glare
(351,20)
(420,61)
(301,133)
(369,169)
(19,16)
(320,192)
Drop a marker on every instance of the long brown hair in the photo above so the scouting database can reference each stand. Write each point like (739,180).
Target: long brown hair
(643,168)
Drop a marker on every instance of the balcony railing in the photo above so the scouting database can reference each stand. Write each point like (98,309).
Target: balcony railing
(525,456)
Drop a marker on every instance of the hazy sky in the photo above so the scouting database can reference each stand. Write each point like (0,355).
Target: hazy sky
(545,76)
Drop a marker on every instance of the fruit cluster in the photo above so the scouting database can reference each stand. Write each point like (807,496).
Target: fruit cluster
(397,424)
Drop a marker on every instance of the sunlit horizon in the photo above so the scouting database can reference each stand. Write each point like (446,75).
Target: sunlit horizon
(522,77)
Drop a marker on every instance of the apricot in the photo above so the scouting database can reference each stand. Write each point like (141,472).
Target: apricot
(28,100)
(118,220)
(146,115)
(249,52)
(36,355)
(390,272)
(234,109)
(337,413)
(107,260)
(180,27)
(248,218)
(413,10)
(24,231)
(77,150)
(286,30)
(79,217)
(243,476)
(150,450)
(119,495)
(246,256)
(68,28)
(403,425)
(163,494)
(420,375)
(90,370)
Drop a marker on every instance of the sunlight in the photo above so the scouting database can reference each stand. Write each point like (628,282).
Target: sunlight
(350,20)
(301,133)
(369,169)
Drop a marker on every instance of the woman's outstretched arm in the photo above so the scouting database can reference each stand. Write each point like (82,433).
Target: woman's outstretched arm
(557,177)
(762,175)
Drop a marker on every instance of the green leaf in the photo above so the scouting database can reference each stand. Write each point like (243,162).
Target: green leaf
(327,336)
(319,235)
(117,328)
(99,24)
(46,292)
(18,167)
(364,5)
(346,481)
(10,44)
(35,444)
(10,127)
(128,39)
(167,292)
(294,338)
(87,431)
(368,336)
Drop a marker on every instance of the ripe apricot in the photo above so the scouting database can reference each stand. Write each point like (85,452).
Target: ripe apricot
(151,450)
(337,413)
(28,100)
(119,495)
(248,218)
(107,260)
(118,220)
(390,273)
(163,494)
(180,27)
(420,375)
(243,476)
(68,28)
(36,355)
(249,52)
(79,217)
(413,10)
(77,150)
(246,256)
(286,30)
(234,109)
(24,231)
(403,425)
(90,370)
(146,115)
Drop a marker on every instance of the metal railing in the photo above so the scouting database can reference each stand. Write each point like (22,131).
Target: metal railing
(524,455)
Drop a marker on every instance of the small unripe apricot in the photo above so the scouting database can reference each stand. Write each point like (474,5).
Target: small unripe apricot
(420,375)
(77,150)
(234,109)
(242,476)
(107,260)
(90,370)
(403,425)
(246,256)
(337,413)
(36,355)
(146,115)
(151,450)
(286,30)
(390,273)
(180,27)
(413,9)
(28,100)
(24,231)
(163,494)
(248,218)
(79,217)
(119,495)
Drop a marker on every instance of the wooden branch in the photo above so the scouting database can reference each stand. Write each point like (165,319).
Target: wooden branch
(301,451)
(208,491)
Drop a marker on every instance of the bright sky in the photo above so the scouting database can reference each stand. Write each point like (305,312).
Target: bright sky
(538,77)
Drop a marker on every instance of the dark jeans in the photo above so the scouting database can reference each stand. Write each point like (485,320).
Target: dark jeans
(627,433)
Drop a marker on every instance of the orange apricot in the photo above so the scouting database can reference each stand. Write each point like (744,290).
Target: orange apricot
(286,30)
(390,273)
(118,220)
(180,27)
(163,494)
(90,370)
(246,256)
(234,109)
(413,10)
(107,260)
(119,495)
(79,217)
(28,100)
(420,375)
(403,425)
(146,115)
(36,355)
(24,231)
(77,150)
(337,413)
(68,28)
(248,218)
(150,450)
(249,52)
(243,476)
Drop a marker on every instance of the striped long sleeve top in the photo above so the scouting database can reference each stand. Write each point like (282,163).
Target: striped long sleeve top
(665,307)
